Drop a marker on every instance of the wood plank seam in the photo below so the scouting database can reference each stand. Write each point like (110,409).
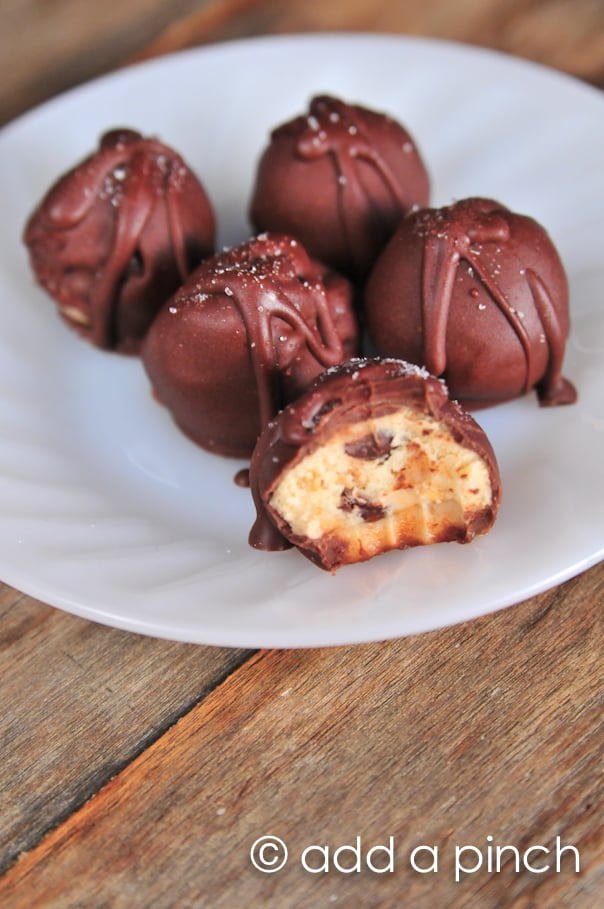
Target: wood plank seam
(110,770)
(56,834)
(258,685)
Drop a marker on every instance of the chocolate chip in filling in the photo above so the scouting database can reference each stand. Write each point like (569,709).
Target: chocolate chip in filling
(396,481)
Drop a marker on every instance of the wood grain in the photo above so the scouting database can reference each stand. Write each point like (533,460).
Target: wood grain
(47,47)
(70,41)
(488,728)
(567,36)
(79,701)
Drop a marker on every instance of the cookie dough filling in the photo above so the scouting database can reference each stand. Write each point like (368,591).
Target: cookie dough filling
(396,481)
(374,456)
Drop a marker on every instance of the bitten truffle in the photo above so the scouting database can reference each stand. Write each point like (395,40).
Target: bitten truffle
(339,179)
(117,234)
(478,295)
(245,335)
(373,457)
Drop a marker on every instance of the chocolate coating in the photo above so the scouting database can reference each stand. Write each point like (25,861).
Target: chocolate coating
(478,295)
(407,411)
(339,179)
(248,331)
(117,234)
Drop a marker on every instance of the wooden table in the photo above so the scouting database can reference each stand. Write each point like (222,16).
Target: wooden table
(137,773)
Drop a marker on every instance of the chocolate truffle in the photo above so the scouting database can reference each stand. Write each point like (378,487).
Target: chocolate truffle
(478,295)
(339,179)
(373,457)
(117,234)
(248,331)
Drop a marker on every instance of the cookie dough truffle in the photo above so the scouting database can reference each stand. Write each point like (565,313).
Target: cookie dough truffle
(116,235)
(245,335)
(478,295)
(373,457)
(339,179)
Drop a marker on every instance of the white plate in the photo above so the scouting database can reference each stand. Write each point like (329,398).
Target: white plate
(106,511)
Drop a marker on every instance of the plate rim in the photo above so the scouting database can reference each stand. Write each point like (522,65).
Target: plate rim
(145,627)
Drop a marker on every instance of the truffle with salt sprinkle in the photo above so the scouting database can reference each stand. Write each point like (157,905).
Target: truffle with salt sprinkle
(117,234)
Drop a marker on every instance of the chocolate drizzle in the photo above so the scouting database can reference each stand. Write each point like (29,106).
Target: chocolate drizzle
(553,389)
(265,286)
(337,129)
(142,187)
(464,232)
(339,179)
(247,332)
